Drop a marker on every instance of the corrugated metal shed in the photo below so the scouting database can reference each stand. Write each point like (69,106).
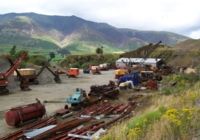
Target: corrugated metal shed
(148,61)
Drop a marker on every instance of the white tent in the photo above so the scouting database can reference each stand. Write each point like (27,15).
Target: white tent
(122,62)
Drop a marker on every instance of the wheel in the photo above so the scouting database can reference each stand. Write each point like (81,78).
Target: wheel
(57,79)
(4,90)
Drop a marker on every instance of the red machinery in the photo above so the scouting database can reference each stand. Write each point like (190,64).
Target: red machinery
(4,76)
(73,72)
(46,65)
(19,115)
(32,79)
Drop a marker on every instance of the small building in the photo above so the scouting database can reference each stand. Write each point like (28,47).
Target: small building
(124,62)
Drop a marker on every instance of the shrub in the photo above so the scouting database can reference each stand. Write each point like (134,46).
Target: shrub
(37,59)
(84,60)
(138,126)
(183,82)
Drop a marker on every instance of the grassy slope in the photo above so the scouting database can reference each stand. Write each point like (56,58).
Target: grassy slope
(53,29)
(168,116)
(44,46)
(83,61)
(23,41)
(85,47)
(186,53)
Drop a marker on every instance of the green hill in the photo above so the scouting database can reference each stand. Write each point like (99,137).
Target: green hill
(186,53)
(31,30)
(172,112)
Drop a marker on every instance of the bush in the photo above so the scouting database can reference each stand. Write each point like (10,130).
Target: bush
(85,60)
(166,91)
(37,60)
(183,82)
(85,66)
(75,65)
(137,127)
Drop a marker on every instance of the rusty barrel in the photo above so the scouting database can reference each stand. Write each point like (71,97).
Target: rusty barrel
(19,115)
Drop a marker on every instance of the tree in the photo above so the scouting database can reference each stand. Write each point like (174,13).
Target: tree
(63,51)
(52,55)
(13,51)
(99,50)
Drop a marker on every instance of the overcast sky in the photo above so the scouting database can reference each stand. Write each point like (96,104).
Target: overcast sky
(180,16)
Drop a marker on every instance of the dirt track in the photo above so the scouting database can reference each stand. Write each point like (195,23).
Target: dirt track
(52,91)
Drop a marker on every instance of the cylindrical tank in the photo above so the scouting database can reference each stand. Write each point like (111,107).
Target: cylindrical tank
(19,115)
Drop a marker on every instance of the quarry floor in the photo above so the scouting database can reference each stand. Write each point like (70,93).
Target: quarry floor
(48,91)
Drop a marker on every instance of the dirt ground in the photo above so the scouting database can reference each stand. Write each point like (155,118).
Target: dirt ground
(50,91)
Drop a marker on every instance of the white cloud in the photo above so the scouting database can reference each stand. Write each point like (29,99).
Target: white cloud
(171,15)
(195,34)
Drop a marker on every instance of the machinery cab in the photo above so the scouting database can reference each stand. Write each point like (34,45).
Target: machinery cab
(73,72)
(77,98)
(120,72)
(134,77)
(4,76)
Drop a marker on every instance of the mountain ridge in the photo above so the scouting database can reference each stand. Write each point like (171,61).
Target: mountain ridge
(63,31)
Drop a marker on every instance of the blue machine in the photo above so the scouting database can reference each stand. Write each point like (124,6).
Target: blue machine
(77,98)
(134,77)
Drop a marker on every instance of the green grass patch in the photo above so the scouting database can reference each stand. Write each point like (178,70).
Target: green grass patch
(84,47)
(82,61)
(178,83)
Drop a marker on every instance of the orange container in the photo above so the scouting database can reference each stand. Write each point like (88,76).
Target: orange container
(73,72)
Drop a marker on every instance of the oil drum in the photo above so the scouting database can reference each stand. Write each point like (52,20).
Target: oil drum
(19,115)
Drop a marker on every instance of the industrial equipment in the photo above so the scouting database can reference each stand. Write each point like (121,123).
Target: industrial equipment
(59,71)
(22,76)
(78,98)
(146,75)
(126,85)
(95,70)
(86,70)
(120,72)
(134,77)
(29,76)
(152,84)
(22,114)
(104,66)
(4,76)
(104,91)
(73,72)
(56,75)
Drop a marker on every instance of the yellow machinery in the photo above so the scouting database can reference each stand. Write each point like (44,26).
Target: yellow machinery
(120,72)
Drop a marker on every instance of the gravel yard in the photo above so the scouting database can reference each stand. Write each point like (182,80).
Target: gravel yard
(50,91)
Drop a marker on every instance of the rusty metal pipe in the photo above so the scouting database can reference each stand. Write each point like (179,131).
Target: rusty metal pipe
(67,125)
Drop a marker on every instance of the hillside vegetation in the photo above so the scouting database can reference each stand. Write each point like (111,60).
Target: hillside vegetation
(84,61)
(172,112)
(79,36)
(165,115)
(186,53)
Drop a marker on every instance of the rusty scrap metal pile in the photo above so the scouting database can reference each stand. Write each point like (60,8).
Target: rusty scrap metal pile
(36,125)
(86,124)
(108,91)
(89,122)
